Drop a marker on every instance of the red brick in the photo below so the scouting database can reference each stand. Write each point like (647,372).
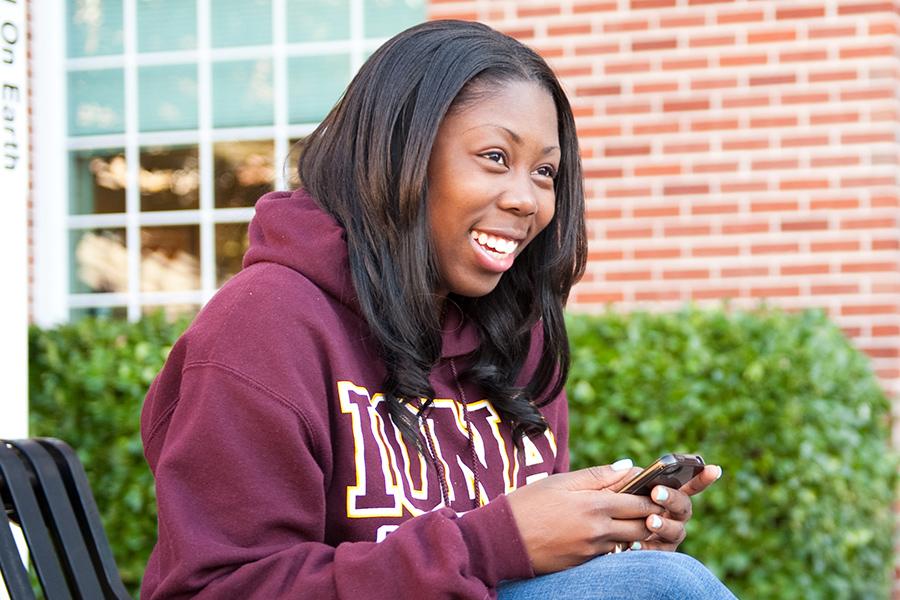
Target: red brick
(703,2)
(885,330)
(628,108)
(869,267)
(852,8)
(715,209)
(714,293)
(676,230)
(543,10)
(682,189)
(599,297)
(714,124)
(833,203)
(834,289)
(802,55)
(705,41)
(834,161)
(869,223)
(678,64)
(631,66)
(742,60)
(835,246)
(627,192)
(810,269)
(775,248)
(868,181)
(706,251)
(868,309)
(830,31)
(641,150)
(520,33)
(714,84)
(745,272)
(604,130)
(800,12)
(592,7)
(656,170)
(867,51)
(743,101)
(679,105)
(874,352)
(657,253)
(599,90)
(628,276)
(773,79)
(801,141)
(805,225)
(830,118)
(687,20)
(804,97)
(685,147)
(887,201)
(573,71)
(606,255)
(685,274)
(657,295)
(745,16)
(764,164)
(774,121)
(867,138)
(829,76)
(596,48)
(773,205)
(774,291)
(884,28)
(746,144)
(775,35)
(656,211)
(641,4)
(648,45)
(656,127)
(744,186)
(888,244)
(740,228)
(604,173)
(624,26)
(569,29)
(715,167)
(802,184)
(655,87)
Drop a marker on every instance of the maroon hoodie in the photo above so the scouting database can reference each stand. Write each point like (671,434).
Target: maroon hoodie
(278,472)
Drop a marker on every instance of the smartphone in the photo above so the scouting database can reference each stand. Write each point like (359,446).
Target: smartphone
(670,470)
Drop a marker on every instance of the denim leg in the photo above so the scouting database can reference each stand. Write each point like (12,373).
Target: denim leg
(639,575)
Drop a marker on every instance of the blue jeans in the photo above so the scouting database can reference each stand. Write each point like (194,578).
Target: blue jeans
(643,574)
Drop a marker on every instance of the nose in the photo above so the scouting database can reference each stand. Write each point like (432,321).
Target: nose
(520,196)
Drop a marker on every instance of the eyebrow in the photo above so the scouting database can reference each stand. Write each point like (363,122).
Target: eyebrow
(518,139)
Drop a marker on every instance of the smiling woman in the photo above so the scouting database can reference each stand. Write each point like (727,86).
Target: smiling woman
(373,407)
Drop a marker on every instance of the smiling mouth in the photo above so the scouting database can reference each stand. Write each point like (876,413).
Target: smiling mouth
(498,246)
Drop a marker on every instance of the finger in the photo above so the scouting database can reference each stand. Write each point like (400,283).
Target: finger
(627,506)
(626,530)
(666,530)
(653,543)
(706,478)
(676,503)
(598,477)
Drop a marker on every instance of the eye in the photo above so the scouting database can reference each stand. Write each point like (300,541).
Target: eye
(546,171)
(495,156)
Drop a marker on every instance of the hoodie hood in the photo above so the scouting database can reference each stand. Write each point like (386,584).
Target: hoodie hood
(290,229)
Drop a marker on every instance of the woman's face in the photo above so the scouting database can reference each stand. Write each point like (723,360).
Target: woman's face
(490,184)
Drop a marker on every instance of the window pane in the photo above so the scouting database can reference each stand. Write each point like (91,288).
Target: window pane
(231,244)
(96,102)
(242,93)
(293,157)
(94,27)
(318,20)
(167,97)
(106,312)
(166,25)
(98,261)
(314,84)
(170,178)
(241,22)
(172,311)
(244,172)
(170,258)
(97,181)
(384,18)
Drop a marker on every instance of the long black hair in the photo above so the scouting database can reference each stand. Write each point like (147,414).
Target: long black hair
(366,165)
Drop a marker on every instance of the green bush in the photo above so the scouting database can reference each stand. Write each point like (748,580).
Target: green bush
(783,402)
(789,409)
(87,381)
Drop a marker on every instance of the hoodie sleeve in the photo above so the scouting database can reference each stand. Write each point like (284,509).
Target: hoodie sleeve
(240,483)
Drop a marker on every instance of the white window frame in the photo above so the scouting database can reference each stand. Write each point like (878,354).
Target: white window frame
(53,223)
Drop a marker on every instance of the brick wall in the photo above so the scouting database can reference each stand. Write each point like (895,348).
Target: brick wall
(733,149)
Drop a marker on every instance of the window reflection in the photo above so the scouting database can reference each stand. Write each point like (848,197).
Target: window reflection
(231,244)
(170,258)
(244,171)
(97,181)
(99,261)
(170,178)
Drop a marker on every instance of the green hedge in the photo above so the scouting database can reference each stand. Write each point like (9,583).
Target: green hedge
(782,401)
(790,410)
(87,381)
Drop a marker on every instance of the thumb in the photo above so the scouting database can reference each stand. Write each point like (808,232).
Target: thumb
(599,477)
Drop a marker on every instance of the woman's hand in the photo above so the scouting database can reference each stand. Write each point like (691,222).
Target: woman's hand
(668,528)
(569,518)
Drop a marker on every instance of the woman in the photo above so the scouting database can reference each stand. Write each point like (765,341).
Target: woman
(356,413)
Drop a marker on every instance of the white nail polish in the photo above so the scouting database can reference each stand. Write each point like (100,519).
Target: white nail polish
(655,522)
(662,495)
(720,473)
(622,465)
(636,546)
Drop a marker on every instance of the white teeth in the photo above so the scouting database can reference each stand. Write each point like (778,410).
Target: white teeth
(496,244)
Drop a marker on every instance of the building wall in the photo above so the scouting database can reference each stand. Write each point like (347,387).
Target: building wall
(741,150)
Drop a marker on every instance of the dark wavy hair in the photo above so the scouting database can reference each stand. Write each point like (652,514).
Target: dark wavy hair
(364,165)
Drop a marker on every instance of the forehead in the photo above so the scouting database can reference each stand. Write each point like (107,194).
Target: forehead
(523,107)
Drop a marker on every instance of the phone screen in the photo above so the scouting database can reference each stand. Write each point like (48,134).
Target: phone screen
(670,470)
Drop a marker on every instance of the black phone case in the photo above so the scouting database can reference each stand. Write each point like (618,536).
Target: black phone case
(670,470)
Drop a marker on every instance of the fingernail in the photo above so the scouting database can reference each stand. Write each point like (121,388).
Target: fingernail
(662,494)
(655,522)
(636,546)
(720,472)
(622,465)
